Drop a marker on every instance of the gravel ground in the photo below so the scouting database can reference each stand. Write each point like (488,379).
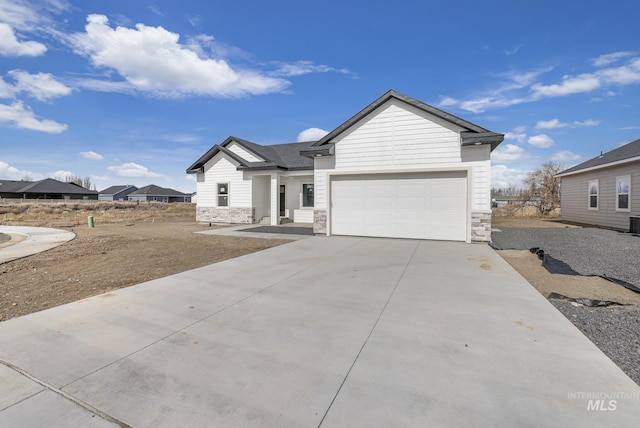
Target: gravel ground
(588,251)
(614,330)
(291,230)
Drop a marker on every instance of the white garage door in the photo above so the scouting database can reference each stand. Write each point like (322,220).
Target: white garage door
(416,205)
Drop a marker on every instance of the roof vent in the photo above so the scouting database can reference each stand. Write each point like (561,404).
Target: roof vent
(600,157)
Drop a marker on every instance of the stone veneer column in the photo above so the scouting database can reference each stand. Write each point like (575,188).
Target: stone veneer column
(481,226)
(320,221)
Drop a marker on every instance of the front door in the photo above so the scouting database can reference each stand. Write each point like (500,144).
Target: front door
(282,200)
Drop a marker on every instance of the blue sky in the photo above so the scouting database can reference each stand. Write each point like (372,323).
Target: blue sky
(133,92)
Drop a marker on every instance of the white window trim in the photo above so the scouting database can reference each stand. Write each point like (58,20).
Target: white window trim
(302,207)
(624,210)
(228,195)
(597,182)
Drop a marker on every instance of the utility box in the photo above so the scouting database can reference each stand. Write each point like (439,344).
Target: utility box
(634,224)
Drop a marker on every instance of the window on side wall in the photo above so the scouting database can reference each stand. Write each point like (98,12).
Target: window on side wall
(307,195)
(623,186)
(594,193)
(223,194)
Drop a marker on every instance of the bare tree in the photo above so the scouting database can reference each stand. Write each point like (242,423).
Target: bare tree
(542,187)
(27,177)
(76,179)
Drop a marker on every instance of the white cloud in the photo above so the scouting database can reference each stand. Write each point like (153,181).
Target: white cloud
(570,85)
(91,155)
(503,177)
(541,141)
(300,68)
(551,124)
(6,90)
(29,15)
(556,124)
(513,50)
(312,134)
(100,177)
(11,46)
(608,59)
(588,122)
(132,169)
(151,60)
(508,153)
(61,174)
(520,137)
(190,177)
(21,116)
(8,172)
(623,75)
(504,95)
(565,156)
(42,86)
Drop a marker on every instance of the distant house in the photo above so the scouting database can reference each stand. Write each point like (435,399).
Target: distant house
(603,191)
(45,189)
(116,193)
(155,193)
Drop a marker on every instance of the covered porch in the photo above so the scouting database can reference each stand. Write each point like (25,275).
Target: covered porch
(280,197)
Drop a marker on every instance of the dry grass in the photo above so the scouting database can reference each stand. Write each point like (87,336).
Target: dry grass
(523,211)
(61,214)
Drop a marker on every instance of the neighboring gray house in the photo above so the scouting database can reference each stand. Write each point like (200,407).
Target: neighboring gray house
(45,189)
(153,193)
(116,193)
(603,191)
(399,168)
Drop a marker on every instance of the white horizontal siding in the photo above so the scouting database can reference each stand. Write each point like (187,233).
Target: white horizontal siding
(220,169)
(397,136)
(243,153)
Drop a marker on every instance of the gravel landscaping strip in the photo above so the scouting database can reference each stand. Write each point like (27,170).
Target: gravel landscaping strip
(289,230)
(588,251)
(614,330)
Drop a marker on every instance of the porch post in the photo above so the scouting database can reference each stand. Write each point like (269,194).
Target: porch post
(275,196)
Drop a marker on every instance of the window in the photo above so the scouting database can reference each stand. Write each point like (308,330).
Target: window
(307,195)
(593,194)
(223,194)
(622,193)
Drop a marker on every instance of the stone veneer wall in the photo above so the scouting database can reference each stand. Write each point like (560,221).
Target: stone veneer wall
(320,221)
(480,226)
(231,215)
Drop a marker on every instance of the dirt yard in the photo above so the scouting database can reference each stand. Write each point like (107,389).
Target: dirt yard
(530,267)
(134,243)
(127,246)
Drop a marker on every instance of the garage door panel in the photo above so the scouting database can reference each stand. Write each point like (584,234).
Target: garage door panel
(415,205)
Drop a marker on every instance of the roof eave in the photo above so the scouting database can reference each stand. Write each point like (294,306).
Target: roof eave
(469,138)
(326,150)
(409,100)
(596,167)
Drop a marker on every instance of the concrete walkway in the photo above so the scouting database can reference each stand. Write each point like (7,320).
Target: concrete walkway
(324,332)
(34,240)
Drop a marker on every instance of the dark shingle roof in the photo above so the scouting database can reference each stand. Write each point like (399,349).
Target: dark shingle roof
(46,186)
(11,186)
(277,156)
(153,190)
(470,134)
(627,152)
(298,156)
(116,189)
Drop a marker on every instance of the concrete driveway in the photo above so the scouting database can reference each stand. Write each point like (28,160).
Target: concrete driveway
(319,332)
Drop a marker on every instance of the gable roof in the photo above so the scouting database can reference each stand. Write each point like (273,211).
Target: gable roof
(630,152)
(117,189)
(470,135)
(48,185)
(153,190)
(278,156)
